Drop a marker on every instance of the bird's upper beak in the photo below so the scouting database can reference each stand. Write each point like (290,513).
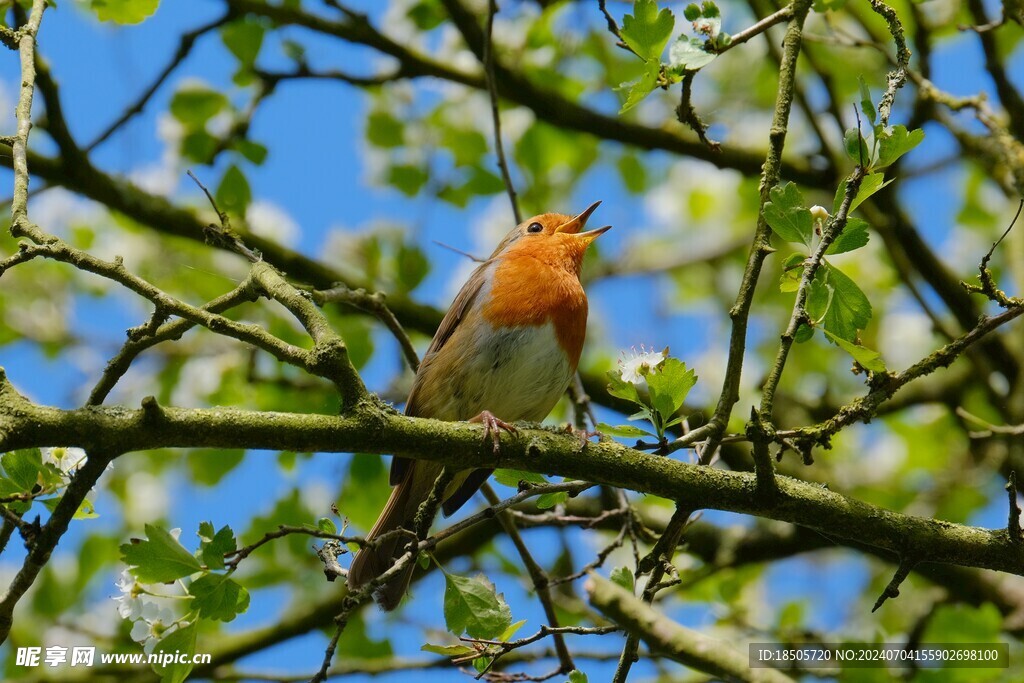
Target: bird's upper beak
(574,225)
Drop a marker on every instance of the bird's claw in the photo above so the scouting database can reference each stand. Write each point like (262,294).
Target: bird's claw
(492,425)
(583,435)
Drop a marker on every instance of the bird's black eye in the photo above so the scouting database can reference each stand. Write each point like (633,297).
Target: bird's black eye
(535,227)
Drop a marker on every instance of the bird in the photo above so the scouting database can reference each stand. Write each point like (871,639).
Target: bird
(505,352)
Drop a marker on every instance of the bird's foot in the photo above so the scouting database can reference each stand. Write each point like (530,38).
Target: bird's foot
(492,425)
(584,435)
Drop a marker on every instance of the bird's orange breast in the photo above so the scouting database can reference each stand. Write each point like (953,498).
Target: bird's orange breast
(530,291)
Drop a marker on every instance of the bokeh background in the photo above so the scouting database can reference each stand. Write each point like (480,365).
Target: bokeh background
(664,276)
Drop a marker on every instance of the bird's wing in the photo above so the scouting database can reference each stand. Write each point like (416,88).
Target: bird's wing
(455,314)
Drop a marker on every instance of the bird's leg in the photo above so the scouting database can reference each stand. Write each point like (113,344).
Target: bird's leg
(491,426)
(583,435)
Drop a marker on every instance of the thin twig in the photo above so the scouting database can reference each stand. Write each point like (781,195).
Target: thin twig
(492,91)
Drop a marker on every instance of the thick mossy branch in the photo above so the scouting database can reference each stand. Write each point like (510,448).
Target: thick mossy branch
(459,445)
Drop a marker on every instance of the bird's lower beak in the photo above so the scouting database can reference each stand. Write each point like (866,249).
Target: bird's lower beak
(590,235)
(577,223)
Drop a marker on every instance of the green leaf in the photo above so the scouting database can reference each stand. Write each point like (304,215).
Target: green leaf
(669,385)
(209,465)
(641,87)
(243,38)
(511,478)
(647,30)
(853,236)
(872,183)
(22,468)
(688,54)
(448,650)
(411,265)
(124,11)
(621,430)
(792,271)
(219,597)
(577,676)
(622,389)
(253,151)
(233,193)
(472,606)
(623,577)
(160,559)
(384,130)
(407,178)
(868,359)
(327,526)
(507,634)
(850,309)
(865,101)
(788,216)
(895,142)
(199,146)
(213,546)
(546,501)
(857,148)
(182,641)
(194,105)
(632,172)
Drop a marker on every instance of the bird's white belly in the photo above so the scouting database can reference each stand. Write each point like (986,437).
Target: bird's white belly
(516,373)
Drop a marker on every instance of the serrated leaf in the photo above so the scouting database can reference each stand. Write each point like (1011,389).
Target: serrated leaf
(647,30)
(213,546)
(511,478)
(867,358)
(637,90)
(622,389)
(182,641)
(787,214)
(853,236)
(849,310)
(472,606)
(218,597)
(895,142)
(22,467)
(792,271)
(481,664)
(866,105)
(448,650)
(623,577)
(872,183)
(621,430)
(688,54)
(669,385)
(327,526)
(160,559)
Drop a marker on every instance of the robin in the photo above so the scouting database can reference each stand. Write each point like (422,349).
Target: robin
(507,348)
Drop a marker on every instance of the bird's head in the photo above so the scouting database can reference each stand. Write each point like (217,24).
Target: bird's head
(554,238)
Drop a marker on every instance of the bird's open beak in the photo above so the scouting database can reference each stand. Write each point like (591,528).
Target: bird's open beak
(577,223)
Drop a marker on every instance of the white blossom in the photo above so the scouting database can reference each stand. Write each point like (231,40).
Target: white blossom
(635,367)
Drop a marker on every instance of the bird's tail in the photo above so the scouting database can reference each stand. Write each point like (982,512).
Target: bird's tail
(399,512)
